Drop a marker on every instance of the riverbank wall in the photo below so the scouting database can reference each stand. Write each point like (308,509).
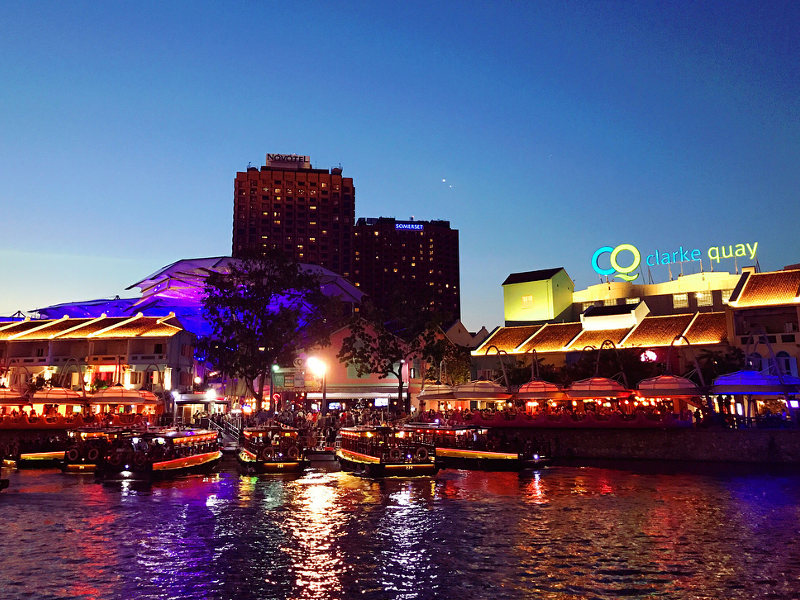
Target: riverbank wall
(769,446)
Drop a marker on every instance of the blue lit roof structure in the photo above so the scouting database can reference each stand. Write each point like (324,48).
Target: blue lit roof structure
(178,288)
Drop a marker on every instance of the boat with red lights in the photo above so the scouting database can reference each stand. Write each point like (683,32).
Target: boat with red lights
(160,453)
(384,451)
(474,448)
(88,446)
(272,448)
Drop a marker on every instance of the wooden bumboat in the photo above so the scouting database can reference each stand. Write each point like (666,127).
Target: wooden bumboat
(160,453)
(88,446)
(384,451)
(273,448)
(473,448)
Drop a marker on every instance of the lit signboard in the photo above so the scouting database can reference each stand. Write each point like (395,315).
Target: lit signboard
(626,258)
(409,226)
(288,158)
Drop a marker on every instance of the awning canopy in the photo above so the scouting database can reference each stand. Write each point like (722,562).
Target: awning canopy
(57,396)
(481,390)
(436,391)
(538,389)
(12,397)
(120,395)
(670,386)
(756,383)
(597,387)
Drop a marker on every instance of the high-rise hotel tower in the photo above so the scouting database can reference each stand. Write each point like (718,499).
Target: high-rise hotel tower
(408,262)
(305,212)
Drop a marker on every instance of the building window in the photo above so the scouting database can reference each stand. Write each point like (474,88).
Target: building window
(786,363)
(726,296)
(610,302)
(704,299)
(585,305)
(754,361)
(680,300)
(527,301)
(632,300)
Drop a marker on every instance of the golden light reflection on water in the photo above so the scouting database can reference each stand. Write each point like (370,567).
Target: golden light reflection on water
(313,523)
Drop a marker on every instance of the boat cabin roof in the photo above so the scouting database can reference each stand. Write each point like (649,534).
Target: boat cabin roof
(436,428)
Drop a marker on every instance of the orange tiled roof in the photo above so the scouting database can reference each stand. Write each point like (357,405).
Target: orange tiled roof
(553,337)
(658,331)
(145,327)
(708,328)
(596,338)
(508,338)
(82,328)
(779,287)
(7,329)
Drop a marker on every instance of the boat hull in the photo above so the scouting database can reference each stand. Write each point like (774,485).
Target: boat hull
(369,466)
(40,460)
(485,460)
(178,467)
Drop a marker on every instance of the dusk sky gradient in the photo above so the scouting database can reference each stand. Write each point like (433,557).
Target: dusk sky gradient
(561,127)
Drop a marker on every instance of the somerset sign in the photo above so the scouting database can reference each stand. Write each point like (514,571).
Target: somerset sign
(409,226)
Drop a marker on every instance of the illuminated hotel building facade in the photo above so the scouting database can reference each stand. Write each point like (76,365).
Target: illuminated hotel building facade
(408,261)
(288,205)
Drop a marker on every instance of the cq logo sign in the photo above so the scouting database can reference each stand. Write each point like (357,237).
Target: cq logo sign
(620,270)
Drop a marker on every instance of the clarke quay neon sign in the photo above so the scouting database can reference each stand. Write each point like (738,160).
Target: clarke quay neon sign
(631,253)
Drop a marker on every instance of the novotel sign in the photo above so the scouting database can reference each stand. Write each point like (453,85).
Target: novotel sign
(626,258)
(409,226)
(288,158)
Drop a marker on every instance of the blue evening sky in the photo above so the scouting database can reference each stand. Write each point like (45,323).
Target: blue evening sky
(558,127)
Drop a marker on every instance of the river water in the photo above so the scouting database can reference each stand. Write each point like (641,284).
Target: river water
(565,532)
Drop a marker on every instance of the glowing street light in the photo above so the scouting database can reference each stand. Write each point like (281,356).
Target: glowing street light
(320,369)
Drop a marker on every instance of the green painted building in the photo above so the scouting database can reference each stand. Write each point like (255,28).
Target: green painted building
(537,296)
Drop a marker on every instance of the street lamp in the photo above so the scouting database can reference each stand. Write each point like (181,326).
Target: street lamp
(320,369)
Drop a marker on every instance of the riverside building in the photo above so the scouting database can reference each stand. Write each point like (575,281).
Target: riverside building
(288,205)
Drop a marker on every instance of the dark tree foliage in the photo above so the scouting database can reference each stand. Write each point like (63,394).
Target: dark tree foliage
(380,346)
(714,363)
(262,313)
(446,362)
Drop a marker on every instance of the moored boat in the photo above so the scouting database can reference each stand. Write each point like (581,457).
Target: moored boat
(473,448)
(272,448)
(88,445)
(160,453)
(384,451)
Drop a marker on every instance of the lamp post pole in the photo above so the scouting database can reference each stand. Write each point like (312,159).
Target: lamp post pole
(324,407)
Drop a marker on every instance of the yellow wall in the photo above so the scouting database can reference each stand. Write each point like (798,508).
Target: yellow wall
(540,300)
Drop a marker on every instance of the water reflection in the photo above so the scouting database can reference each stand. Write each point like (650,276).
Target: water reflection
(561,533)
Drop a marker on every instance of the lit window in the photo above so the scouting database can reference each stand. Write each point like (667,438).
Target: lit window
(610,302)
(277,190)
(631,300)
(680,300)
(726,296)
(704,299)
(526,300)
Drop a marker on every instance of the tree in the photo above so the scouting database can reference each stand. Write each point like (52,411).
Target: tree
(455,360)
(374,346)
(261,312)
